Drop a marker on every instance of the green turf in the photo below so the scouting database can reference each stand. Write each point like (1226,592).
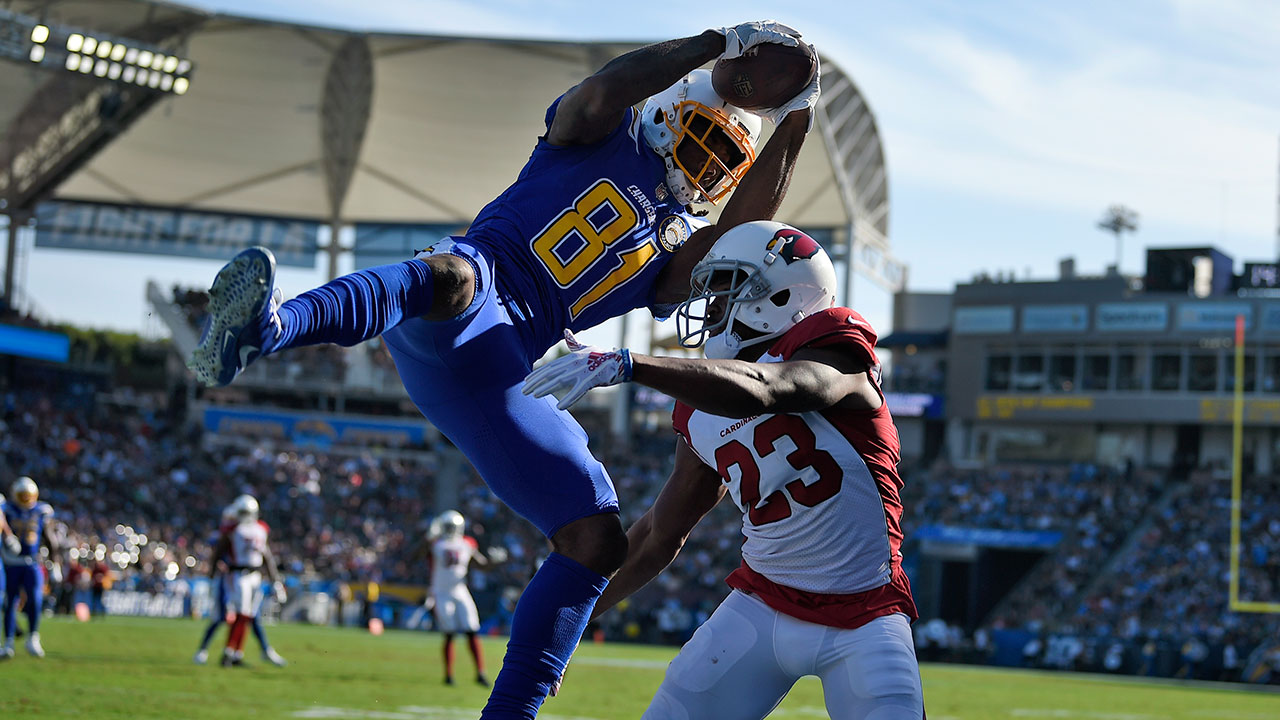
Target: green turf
(137,668)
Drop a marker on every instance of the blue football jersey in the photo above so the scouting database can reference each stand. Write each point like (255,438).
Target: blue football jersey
(582,234)
(27,524)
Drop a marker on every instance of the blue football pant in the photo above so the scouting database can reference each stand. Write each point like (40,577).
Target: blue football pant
(465,375)
(27,579)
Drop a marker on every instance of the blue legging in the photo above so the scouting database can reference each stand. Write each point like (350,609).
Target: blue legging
(28,579)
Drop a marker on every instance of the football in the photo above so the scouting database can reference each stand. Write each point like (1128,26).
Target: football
(765,76)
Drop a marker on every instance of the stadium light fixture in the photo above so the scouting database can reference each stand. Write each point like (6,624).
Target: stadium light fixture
(112,58)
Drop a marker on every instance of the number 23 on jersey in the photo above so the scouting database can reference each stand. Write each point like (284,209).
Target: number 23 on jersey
(578,238)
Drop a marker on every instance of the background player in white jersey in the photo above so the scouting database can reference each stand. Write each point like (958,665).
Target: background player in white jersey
(243,549)
(455,611)
(219,590)
(788,419)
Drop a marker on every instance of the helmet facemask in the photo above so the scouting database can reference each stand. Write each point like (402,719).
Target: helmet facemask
(684,124)
(732,282)
(701,128)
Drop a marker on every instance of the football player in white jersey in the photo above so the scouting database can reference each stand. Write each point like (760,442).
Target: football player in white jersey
(244,550)
(220,592)
(787,417)
(451,553)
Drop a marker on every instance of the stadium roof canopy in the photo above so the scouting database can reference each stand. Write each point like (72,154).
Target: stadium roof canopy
(344,127)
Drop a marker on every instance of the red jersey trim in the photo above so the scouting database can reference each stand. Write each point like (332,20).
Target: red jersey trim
(839,611)
(680,420)
(833,326)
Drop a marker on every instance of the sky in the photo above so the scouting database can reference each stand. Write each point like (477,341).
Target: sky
(1009,127)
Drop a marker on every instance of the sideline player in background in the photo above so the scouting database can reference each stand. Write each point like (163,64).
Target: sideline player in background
(598,223)
(218,613)
(244,552)
(28,518)
(788,418)
(9,545)
(455,610)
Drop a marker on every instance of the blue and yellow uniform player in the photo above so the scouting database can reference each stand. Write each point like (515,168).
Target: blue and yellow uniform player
(600,221)
(28,518)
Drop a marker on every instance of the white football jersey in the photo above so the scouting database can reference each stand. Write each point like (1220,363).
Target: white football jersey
(818,490)
(450,557)
(248,542)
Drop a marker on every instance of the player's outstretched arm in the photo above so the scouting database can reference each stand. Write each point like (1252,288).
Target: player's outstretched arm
(656,538)
(757,197)
(594,107)
(811,380)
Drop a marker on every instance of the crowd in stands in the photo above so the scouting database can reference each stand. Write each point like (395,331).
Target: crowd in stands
(139,491)
(118,473)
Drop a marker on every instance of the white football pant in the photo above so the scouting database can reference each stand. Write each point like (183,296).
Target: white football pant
(743,660)
(244,592)
(456,611)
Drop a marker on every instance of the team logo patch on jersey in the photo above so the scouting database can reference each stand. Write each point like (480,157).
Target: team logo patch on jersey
(660,192)
(672,233)
(792,245)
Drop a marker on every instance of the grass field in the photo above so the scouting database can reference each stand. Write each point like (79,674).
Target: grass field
(137,668)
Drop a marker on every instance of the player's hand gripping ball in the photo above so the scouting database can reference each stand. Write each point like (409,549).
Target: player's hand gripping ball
(767,75)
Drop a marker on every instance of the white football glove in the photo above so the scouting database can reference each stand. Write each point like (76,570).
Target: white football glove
(585,367)
(739,38)
(806,98)
(12,544)
(281,595)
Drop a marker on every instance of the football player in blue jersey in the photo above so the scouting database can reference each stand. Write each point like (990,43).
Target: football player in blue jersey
(599,221)
(29,520)
(10,546)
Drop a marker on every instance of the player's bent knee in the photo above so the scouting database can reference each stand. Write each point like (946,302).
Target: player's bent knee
(453,282)
(597,542)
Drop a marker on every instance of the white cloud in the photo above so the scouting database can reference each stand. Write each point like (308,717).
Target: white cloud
(1125,122)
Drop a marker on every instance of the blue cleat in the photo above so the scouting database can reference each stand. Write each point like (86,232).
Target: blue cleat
(242,306)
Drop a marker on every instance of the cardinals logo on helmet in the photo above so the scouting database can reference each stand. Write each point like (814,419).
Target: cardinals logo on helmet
(792,245)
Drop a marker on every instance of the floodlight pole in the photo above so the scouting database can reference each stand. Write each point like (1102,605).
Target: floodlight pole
(1118,221)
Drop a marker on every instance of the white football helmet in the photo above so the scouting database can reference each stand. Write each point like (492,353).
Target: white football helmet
(245,509)
(24,492)
(770,277)
(691,112)
(449,523)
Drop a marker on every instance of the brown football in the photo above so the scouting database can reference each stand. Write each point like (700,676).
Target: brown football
(765,76)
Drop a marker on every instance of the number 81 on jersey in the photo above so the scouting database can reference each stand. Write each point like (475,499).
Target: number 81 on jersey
(598,218)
